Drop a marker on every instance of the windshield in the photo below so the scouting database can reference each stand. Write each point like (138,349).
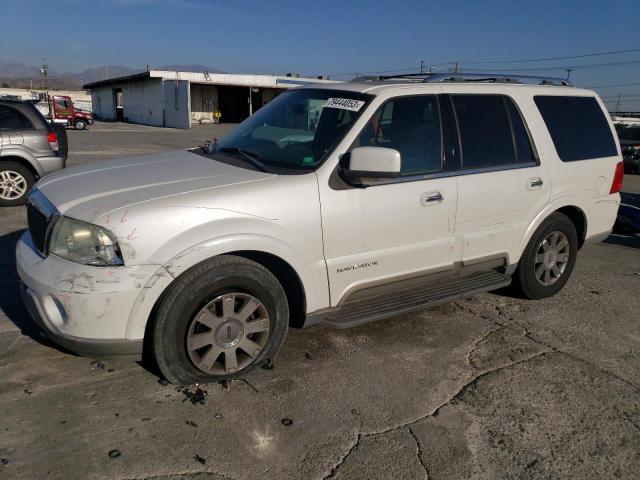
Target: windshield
(298,128)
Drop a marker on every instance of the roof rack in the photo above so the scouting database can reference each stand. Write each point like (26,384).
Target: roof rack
(460,77)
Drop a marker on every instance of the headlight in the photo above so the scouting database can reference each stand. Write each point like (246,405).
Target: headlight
(85,243)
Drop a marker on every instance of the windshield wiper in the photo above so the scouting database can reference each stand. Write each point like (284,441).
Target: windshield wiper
(252,157)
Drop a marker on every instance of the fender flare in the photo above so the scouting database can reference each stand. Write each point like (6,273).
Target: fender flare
(554,205)
(8,154)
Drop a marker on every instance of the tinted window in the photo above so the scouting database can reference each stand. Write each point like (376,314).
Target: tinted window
(12,119)
(524,152)
(577,126)
(410,125)
(485,133)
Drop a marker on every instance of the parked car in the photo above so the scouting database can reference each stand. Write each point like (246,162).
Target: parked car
(30,148)
(629,137)
(405,193)
(628,220)
(65,113)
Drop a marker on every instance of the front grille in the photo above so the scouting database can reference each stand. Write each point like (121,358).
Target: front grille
(37,226)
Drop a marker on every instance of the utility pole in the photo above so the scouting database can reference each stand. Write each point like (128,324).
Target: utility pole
(455,67)
(421,66)
(44,71)
(618,103)
(568,70)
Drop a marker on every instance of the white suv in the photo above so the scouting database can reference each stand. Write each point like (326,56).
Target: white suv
(335,204)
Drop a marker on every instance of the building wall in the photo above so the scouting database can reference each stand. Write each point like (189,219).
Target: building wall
(143,102)
(177,104)
(102,103)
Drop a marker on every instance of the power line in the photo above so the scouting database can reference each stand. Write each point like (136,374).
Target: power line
(615,85)
(588,65)
(496,62)
(585,55)
(631,95)
(411,69)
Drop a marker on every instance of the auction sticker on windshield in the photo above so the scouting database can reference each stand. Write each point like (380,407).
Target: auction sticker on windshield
(344,104)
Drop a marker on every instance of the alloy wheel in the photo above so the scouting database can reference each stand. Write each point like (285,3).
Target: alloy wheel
(12,185)
(228,333)
(551,258)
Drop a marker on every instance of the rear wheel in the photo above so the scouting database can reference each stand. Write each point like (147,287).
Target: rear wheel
(548,259)
(15,182)
(219,321)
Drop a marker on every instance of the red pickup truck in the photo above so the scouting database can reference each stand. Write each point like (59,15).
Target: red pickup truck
(64,112)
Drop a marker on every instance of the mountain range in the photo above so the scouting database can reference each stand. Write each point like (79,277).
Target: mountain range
(18,75)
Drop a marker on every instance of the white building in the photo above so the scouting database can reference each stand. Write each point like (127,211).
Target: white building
(180,99)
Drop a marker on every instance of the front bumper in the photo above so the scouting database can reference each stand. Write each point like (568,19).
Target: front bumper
(86,309)
(82,346)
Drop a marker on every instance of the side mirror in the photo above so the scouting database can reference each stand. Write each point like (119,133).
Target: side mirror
(365,165)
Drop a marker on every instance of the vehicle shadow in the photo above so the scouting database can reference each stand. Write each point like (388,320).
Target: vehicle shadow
(623,240)
(10,300)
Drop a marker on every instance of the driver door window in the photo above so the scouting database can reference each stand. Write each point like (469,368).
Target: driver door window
(410,125)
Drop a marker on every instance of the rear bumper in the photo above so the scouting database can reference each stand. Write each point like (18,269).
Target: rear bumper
(51,164)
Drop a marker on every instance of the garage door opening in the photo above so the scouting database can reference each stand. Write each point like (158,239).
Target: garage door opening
(233,103)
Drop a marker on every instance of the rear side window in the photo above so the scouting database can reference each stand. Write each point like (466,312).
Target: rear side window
(577,126)
(12,119)
(485,131)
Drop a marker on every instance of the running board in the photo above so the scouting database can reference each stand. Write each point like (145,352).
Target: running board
(376,307)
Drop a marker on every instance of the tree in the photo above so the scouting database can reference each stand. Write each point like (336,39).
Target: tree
(5,85)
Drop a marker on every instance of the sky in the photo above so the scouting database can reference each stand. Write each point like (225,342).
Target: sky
(329,36)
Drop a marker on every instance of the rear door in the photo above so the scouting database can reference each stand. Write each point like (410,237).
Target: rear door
(19,132)
(502,185)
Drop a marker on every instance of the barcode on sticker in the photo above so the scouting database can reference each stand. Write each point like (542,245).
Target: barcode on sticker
(344,103)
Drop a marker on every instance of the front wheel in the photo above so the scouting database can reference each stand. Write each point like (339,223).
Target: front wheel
(80,124)
(219,321)
(548,259)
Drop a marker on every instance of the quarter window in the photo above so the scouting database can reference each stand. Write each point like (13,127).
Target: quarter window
(485,132)
(12,119)
(578,127)
(524,152)
(410,125)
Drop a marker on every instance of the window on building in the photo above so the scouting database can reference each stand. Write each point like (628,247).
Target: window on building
(410,125)
(578,127)
(485,131)
(12,119)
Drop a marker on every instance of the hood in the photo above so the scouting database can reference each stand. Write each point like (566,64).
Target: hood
(87,191)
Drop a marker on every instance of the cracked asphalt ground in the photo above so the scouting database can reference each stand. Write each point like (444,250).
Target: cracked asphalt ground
(486,387)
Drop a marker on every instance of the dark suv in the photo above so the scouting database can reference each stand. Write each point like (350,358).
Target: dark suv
(30,148)
(630,144)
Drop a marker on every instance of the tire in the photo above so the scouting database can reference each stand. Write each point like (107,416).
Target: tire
(80,125)
(527,280)
(15,182)
(203,294)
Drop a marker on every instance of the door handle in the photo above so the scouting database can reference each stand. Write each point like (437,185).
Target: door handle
(534,183)
(431,198)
